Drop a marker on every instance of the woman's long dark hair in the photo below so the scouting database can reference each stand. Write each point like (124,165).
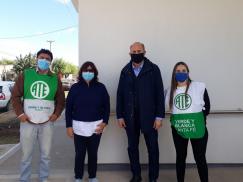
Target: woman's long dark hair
(84,67)
(174,82)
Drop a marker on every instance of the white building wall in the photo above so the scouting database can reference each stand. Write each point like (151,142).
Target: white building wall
(224,144)
(207,34)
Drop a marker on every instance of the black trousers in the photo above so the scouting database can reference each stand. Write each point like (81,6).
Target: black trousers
(83,144)
(151,140)
(199,147)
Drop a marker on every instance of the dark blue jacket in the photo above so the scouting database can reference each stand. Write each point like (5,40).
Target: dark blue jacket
(87,103)
(150,96)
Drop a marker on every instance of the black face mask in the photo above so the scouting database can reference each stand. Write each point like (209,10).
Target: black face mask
(137,58)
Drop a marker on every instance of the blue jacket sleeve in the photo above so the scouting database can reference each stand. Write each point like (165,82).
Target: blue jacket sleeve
(106,106)
(160,100)
(120,98)
(69,108)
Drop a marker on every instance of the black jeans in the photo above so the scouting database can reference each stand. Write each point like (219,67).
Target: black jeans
(199,147)
(151,140)
(83,144)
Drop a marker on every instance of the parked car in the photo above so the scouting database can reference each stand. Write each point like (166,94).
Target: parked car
(5,94)
(67,83)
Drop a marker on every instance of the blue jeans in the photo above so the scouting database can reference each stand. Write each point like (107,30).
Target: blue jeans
(29,135)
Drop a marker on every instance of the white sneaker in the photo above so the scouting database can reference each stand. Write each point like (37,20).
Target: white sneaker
(93,180)
(45,180)
(78,180)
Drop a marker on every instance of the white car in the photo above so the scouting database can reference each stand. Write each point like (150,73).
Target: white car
(5,94)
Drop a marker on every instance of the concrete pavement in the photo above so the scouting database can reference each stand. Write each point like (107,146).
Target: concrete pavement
(63,160)
(62,156)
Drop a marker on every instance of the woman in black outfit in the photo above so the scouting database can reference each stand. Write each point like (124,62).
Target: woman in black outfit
(189,103)
(87,114)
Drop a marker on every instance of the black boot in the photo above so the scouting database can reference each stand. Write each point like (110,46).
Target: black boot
(136,179)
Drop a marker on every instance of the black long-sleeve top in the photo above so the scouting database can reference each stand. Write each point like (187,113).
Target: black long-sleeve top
(87,103)
(206,99)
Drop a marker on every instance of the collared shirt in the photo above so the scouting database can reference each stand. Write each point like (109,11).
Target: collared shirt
(137,70)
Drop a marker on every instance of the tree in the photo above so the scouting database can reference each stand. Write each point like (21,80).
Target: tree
(59,65)
(22,63)
(6,62)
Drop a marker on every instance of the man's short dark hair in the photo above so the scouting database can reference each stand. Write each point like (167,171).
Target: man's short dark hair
(45,51)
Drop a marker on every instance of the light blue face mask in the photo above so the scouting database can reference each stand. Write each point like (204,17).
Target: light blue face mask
(43,64)
(87,75)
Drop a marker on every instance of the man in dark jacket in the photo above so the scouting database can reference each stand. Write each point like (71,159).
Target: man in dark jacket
(140,107)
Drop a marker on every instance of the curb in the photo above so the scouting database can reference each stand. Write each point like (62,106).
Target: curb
(9,153)
(34,177)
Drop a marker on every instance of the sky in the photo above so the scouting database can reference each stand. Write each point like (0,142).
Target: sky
(27,25)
